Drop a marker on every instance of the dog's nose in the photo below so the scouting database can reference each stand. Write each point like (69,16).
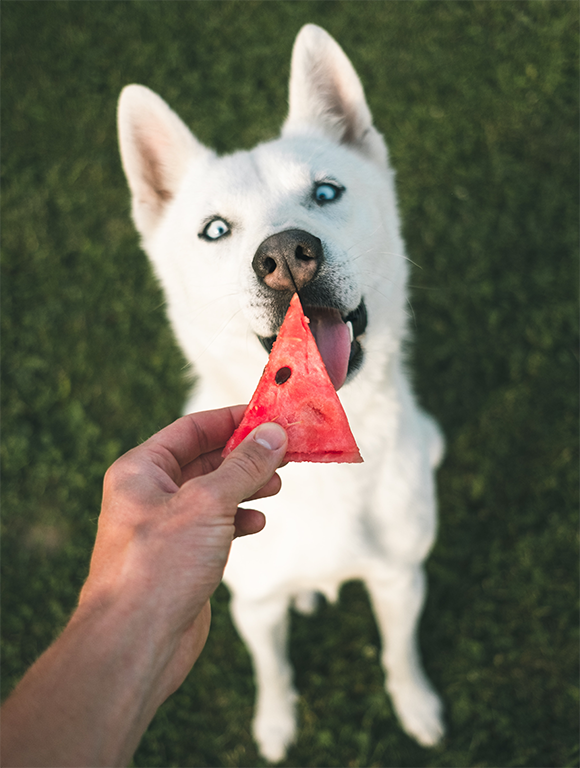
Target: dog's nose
(288,260)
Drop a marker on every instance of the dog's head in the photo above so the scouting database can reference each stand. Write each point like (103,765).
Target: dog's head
(232,238)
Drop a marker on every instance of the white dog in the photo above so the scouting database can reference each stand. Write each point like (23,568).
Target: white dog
(219,232)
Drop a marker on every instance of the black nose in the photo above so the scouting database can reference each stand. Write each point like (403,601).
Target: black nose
(289,260)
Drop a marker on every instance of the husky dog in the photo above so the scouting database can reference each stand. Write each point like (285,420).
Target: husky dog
(228,238)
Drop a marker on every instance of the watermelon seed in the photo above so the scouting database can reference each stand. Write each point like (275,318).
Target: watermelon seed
(282,375)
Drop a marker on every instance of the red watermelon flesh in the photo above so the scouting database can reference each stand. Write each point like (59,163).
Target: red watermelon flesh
(296,392)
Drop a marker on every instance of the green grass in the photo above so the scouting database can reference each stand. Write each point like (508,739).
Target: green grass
(479,104)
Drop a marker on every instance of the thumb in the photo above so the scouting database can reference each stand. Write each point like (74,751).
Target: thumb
(249,466)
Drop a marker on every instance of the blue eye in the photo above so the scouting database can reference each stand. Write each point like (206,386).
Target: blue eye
(215,229)
(327,193)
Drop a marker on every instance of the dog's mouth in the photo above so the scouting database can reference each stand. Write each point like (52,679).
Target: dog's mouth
(337,339)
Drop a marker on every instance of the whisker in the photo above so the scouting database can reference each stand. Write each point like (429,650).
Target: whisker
(389,253)
(412,311)
(370,234)
(211,341)
(203,307)
(375,289)
(164,302)
(424,287)
(379,252)
(373,273)
(372,287)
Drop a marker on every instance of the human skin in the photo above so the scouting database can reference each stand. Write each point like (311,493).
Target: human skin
(168,518)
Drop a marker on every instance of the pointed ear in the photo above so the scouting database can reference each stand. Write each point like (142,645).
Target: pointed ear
(327,96)
(156,148)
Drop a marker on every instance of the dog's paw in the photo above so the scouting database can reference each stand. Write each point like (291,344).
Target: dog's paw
(274,730)
(306,602)
(420,711)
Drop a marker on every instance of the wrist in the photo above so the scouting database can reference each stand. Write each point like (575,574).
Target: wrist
(128,633)
(152,617)
(158,641)
(90,697)
(123,665)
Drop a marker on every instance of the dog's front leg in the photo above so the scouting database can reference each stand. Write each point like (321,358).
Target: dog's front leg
(264,627)
(397,594)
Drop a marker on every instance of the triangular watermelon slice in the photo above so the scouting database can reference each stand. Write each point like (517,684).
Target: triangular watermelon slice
(296,392)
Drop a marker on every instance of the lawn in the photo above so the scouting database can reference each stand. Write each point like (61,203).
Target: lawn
(479,105)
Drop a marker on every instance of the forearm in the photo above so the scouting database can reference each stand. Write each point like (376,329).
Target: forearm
(88,700)
(169,515)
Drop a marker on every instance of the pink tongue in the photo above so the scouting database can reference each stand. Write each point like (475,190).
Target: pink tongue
(333,341)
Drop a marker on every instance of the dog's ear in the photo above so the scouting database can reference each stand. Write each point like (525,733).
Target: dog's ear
(327,96)
(156,148)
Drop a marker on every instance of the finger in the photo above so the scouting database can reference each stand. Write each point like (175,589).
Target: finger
(249,466)
(271,488)
(248,521)
(209,462)
(193,435)
(203,465)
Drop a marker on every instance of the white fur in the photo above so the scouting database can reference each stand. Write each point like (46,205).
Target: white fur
(330,523)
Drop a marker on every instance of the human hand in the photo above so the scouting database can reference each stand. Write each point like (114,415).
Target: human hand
(169,516)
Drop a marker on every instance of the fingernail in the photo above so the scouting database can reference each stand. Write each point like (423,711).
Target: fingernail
(271,436)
